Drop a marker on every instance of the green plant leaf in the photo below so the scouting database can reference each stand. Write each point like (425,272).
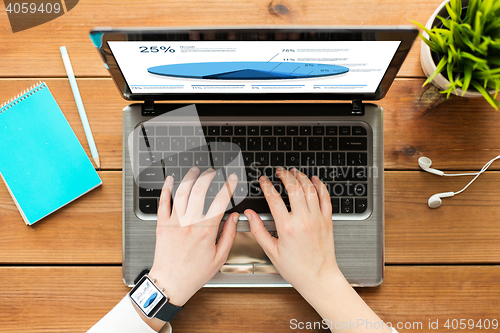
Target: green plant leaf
(486,95)
(467,79)
(439,68)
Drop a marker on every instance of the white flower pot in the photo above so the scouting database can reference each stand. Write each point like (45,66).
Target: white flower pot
(428,65)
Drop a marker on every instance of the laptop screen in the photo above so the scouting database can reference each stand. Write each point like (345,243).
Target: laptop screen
(254,63)
(254,67)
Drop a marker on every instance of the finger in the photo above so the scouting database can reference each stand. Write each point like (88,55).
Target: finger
(219,205)
(182,193)
(164,208)
(295,193)
(198,193)
(308,189)
(268,243)
(274,200)
(226,238)
(324,197)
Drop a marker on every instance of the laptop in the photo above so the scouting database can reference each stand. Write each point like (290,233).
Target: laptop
(298,97)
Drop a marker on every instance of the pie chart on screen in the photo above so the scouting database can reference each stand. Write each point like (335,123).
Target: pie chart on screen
(248,70)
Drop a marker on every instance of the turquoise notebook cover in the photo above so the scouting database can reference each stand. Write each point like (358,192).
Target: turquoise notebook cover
(41,160)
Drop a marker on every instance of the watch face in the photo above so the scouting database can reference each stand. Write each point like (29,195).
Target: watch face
(147,297)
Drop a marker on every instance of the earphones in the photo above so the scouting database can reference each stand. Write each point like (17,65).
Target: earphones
(435,200)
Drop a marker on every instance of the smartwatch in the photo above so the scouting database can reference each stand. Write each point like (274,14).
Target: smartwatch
(152,301)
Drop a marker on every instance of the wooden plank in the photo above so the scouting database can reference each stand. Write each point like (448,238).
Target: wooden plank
(72,299)
(35,52)
(459,134)
(464,230)
(86,231)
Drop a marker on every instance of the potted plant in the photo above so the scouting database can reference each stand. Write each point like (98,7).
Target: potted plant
(460,51)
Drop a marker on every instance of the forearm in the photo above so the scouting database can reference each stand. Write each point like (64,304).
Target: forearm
(338,303)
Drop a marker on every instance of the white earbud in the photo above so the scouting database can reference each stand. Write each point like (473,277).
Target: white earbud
(425,163)
(435,200)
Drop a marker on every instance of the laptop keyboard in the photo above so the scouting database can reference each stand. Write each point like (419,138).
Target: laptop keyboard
(337,152)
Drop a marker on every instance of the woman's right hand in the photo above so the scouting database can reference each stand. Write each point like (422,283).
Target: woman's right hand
(304,252)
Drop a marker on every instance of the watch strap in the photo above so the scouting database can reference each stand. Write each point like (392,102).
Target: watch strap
(168,312)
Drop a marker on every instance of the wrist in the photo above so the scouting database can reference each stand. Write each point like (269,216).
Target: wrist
(155,323)
(324,285)
(176,295)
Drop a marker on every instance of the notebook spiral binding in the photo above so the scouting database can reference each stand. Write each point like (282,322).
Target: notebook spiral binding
(25,94)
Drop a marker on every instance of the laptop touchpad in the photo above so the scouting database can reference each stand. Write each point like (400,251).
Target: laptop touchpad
(247,257)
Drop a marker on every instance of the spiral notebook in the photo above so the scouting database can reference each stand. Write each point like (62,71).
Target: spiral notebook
(42,163)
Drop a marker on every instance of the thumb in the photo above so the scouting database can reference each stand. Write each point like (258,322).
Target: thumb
(259,231)
(227,237)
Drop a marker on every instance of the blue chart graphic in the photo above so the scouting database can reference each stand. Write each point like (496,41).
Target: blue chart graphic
(253,70)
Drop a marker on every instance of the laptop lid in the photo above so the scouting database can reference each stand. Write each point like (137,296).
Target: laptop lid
(273,63)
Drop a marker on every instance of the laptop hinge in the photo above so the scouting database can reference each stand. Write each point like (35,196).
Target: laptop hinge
(358,108)
(148,108)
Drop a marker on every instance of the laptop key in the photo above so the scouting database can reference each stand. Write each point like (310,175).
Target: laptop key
(147,159)
(330,143)
(146,144)
(318,130)
(254,143)
(266,130)
(240,130)
(325,174)
(218,159)
(199,131)
(299,143)
(187,130)
(163,144)
(255,190)
(353,143)
(222,144)
(345,130)
(357,159)
(307,159)
(269,143)
(174,130)
(148,206)
(201,159)
(361,205)
(279,130)
(262,159)
(359,130)
(161,131)
(346,205)
(230,157)
(241,142)
(315,143)
(331,130)
(277,159)
(170,159)
(253,130)
(292,159)
(292,130)
(147,130)
(150,189)
(350,173)
(360,190)
(284,143)
(178,144)
(338,159)
(227,130)
(186,159)
(151,174)
(335,205)
(193,143)
(248,158)
(323,159)
(213,130)
(305,130)
(174,172)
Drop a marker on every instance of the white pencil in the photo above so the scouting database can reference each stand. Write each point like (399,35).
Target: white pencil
(79,105)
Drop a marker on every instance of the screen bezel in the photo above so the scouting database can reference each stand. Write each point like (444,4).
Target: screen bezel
(405,34)
(158,306)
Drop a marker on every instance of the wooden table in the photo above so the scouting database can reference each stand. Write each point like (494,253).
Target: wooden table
(64,273)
